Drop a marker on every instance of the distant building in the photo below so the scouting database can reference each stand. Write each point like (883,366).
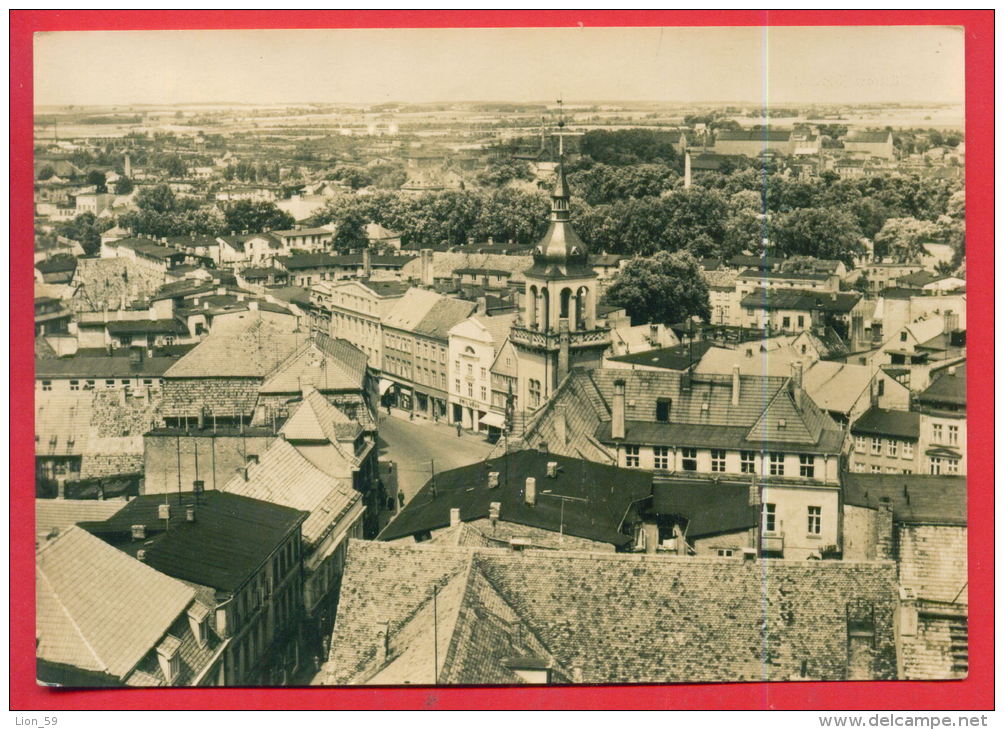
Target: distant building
(870,144)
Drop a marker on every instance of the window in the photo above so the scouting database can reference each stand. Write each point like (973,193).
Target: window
(661,454)
(937,433)
(689,459)
(725,552)
(859,444)
(935,464)
(786,323)
(815,520)
(859,466)
(807,466)
(801,325)
(109,383)
(74,385)
(456,386)
(470,370)
(470,390)
(902,336)
(907,450)
(632,455)
(534,393)
(876,446)
(484,393)
(484,373)
(876,469)
(46,385)
(776,464)
(88,385)
(456,365)
(892,448)
(769,517)
(663,406)
(953,435)
(951,466)
(717,460)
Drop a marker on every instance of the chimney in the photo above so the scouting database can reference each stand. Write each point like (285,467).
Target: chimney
(857,330)
(617,427)
(367,265)
(481,305)
(426,266)
(552,469)
(202,418)
(494,511)
(735,385)
(560,425)
(190,514)
(681,542)
(951,322)
(796,382)
(530,494)
(139,532)
(493,480)
(454,516)
(163,511)
(141,556)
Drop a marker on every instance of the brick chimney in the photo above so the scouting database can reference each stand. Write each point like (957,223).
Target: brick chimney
(617,426)
(367,264)
(530,493)
(735,385)
(796,382)
(454,516)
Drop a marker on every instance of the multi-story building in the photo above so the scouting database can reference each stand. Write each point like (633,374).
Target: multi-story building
(474,345)
(869,144)
(357,312)
(764,432)
(942,408)
(797,310)
(253,579)
(885,442)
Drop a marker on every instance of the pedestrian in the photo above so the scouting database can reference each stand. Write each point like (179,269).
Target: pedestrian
(388,409)
(458,429)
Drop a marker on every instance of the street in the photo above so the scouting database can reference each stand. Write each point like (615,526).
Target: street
(415,446)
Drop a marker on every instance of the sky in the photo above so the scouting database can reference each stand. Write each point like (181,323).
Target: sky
(775,65)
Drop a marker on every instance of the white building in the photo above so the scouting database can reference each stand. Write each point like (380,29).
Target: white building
(474,344)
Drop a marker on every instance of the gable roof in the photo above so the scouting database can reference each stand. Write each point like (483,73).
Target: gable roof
(443,316)
(250,348)
(710,509)
(98,609)
(284,476)
(410,309)
(836,386)
(322,362)
(719,619)
(54,516)
(227,542)
(315,419)
(949,388)
(608,492)
(800,299)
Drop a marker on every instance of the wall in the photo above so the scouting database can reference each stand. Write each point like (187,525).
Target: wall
(228,397)
(933,560)
(862,460)
(859,533)
(735,541)
(792,518)
(160,457)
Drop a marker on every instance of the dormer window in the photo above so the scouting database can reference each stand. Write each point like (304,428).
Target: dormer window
(169,657)
(198,621)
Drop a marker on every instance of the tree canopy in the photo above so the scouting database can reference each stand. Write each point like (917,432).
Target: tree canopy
(664,288)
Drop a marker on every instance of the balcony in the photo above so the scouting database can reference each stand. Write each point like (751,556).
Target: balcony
(772,542)
(528,337)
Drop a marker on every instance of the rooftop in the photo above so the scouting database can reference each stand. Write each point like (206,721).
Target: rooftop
(600,497)
(801,299)
(251,348)
(677,357)
(915,498)
(229,539)
(888,423)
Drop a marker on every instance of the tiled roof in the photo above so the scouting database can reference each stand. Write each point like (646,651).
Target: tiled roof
(443,316)
(250,349)
(283,476)
(99,609)
(751,358)
(608,493)
(227,542)
(717,619)
(303,232)
(315,419)
(410,309)
(915,498)
(775,274)
(753,135)
(169,326)
(868,137)
(889,423)
(835,386)
(55,516)
(323,362)
(800,299)
(498,327)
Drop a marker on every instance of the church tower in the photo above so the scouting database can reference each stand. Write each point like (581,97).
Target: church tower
(557,329)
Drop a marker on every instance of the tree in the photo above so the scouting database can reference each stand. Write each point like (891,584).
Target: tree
(628,146)
(97,179)
(902,237)
(86,230)
(665,288)
(502,171)
(46,172)
(827,233)
(351,231)
(158,199)
(255,216)
(124,186)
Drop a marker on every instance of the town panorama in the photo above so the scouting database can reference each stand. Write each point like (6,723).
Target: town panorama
(499,393)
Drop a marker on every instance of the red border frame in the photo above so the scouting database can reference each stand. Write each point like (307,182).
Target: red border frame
(976,692)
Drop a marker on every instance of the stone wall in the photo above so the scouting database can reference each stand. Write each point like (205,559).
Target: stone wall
(933,561)
(220,457)
(226,397)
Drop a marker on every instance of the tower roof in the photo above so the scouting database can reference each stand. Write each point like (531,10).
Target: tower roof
(560,253)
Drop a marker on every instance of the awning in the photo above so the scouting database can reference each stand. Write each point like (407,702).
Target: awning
(493,419)
(385,385)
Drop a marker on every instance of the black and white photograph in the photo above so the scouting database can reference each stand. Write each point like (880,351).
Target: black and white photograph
(500,356)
